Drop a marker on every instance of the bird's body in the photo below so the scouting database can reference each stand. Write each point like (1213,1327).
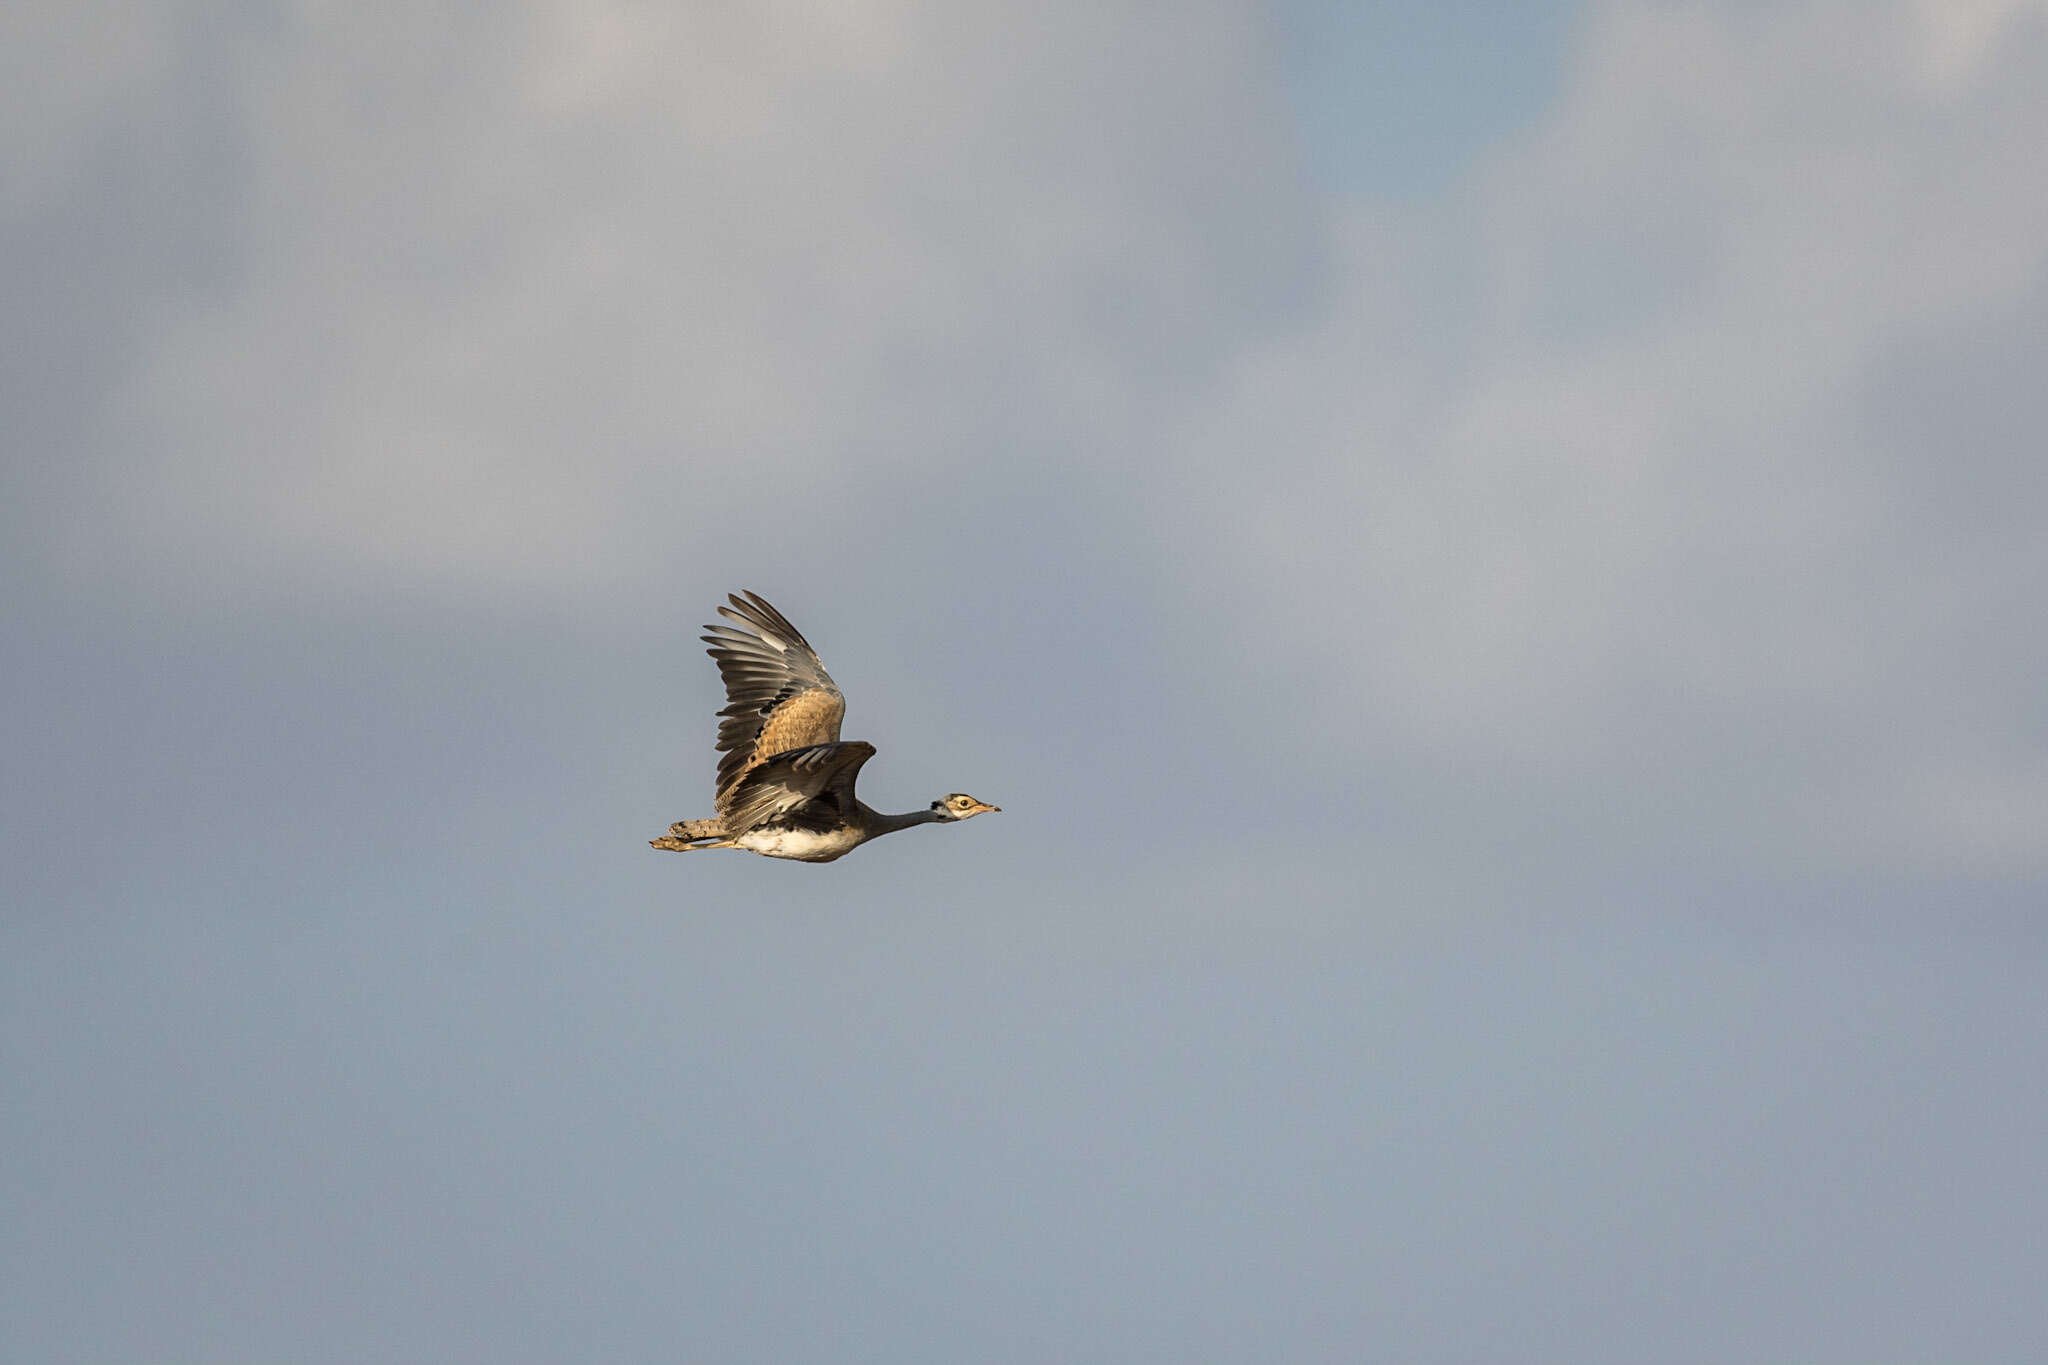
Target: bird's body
(785,783)
(805,845)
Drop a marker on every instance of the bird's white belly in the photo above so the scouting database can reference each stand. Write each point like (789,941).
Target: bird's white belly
(803,844)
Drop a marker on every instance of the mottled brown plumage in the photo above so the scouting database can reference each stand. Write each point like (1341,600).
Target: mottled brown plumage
(778,696)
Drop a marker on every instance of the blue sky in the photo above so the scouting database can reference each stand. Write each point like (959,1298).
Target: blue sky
(1396,100)
(1489,555)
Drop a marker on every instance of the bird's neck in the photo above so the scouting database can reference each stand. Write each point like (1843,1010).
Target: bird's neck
(889,824)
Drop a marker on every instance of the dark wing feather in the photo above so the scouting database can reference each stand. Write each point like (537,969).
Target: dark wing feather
(786,781)
(778,696)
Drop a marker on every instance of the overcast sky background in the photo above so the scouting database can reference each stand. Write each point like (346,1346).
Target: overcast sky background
(1491,554)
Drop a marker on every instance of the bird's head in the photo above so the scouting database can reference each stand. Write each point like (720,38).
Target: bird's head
(959,806)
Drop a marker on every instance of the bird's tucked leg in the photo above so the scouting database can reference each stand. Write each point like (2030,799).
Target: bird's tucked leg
(686,835)
(677,845)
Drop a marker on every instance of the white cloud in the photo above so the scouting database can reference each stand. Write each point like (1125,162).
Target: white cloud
(67,72)
(514,279)
(1581,479)
(1958,35)
(1575,480)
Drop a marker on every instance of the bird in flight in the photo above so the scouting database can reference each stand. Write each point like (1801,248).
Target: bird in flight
(785,784)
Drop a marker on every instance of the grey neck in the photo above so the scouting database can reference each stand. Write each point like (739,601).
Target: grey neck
(889,824)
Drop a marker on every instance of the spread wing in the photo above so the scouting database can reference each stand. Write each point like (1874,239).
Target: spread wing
(785,781)
(778,696)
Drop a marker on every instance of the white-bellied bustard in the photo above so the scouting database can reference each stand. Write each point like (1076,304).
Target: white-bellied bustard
(785,785)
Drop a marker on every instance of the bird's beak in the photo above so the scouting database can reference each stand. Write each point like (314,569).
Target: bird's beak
(985,806)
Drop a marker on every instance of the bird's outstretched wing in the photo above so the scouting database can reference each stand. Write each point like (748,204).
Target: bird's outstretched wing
(785,781)
(778,696)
